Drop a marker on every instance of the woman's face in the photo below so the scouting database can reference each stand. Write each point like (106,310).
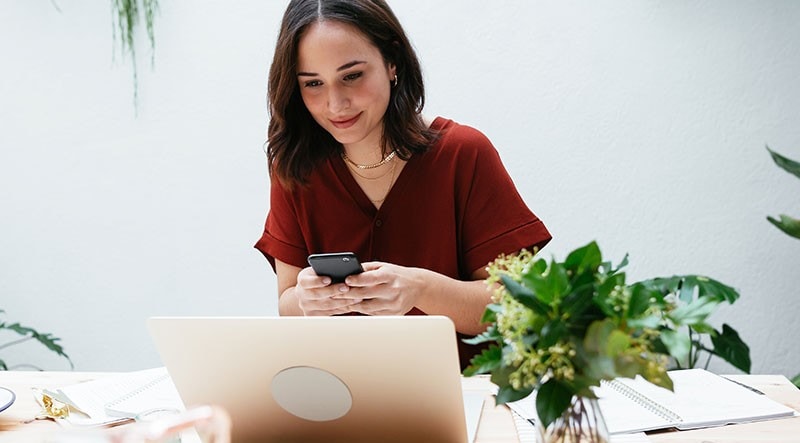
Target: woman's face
(344,82)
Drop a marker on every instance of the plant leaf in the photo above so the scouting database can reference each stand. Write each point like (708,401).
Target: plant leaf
(658,378)
(618,342)
(487,361)
(687,289)
(537,267)
(557,281)
(785,163)
(524,295)
(490,314)
(640,300)
(597,336)
(552,332)
(649,322)
(685,285)
(677,344)
(621,264)
(500,376)
(552,399)
(730,347)
(695,312)
(789,225)
(507,394)
(46,339)
(703,328)
(549,285)
(708,287)
(629,366)
(578,300)
(604,289)
(491,334)
(585,258)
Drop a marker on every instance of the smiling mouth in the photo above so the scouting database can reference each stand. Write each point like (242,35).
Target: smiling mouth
(344,124)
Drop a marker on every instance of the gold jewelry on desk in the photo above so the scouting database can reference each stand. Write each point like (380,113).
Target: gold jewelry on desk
(385,160)
(51,408)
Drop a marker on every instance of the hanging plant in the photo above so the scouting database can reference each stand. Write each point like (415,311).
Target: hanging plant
(125,20)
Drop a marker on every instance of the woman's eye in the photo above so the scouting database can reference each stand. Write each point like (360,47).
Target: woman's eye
(351,77)
(312,83)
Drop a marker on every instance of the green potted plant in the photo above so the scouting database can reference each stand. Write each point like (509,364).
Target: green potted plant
(789,225)
(561,327)
(28,333)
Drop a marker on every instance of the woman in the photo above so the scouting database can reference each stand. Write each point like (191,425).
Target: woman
(425,203)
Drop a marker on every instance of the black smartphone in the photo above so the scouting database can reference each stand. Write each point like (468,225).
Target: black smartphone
(336,265)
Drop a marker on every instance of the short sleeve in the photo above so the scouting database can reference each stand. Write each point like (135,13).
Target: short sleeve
(282,237)
(496,219)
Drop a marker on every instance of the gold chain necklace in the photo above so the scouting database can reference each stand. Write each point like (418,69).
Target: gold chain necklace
(355,171)
(385,160)
(388,188)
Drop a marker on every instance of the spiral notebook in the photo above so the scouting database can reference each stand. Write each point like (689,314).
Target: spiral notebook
(154,390)
(701,399)
(110,400)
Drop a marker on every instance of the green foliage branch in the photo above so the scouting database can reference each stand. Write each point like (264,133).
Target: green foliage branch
(789,225)
(28,333)
(562,327)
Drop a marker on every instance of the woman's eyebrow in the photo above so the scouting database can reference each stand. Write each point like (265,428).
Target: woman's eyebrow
(347,65)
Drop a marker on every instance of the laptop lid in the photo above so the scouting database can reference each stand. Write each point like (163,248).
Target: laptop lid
(381,378)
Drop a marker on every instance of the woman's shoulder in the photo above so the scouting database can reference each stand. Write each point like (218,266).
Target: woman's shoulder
(460,137)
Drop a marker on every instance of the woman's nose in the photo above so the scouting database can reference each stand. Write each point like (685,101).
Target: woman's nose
(337,100)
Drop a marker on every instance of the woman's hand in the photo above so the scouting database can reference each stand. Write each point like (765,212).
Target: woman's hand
(317,296)
(384,288)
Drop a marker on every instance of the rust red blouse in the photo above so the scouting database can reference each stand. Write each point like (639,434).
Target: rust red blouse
(452,210)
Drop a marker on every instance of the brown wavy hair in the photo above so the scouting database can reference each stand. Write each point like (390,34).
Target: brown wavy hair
(295,142)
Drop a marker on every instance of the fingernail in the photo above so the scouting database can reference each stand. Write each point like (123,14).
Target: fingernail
(344,288)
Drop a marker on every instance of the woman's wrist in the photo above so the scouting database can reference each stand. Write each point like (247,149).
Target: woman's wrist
(288,304)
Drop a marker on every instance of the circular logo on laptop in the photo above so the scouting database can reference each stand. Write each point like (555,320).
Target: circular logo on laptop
(311,393)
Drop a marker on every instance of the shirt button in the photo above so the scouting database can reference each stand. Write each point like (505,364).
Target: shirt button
(379,223)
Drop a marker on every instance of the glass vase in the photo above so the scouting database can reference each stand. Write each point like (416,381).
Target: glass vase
(582,422)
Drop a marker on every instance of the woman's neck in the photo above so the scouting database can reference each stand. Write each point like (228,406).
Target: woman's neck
(365,152)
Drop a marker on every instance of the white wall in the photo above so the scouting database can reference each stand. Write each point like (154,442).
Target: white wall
(640,124)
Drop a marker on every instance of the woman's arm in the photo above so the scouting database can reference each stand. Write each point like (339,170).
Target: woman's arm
(388,289)
(385,289)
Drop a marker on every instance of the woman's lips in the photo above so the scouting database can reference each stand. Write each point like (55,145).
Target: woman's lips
(344,124)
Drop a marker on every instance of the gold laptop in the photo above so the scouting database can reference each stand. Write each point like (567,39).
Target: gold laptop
(301,379)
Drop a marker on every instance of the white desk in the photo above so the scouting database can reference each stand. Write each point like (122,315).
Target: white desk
(496,425)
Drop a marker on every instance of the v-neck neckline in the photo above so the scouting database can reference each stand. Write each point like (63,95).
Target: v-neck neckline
(358,194)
